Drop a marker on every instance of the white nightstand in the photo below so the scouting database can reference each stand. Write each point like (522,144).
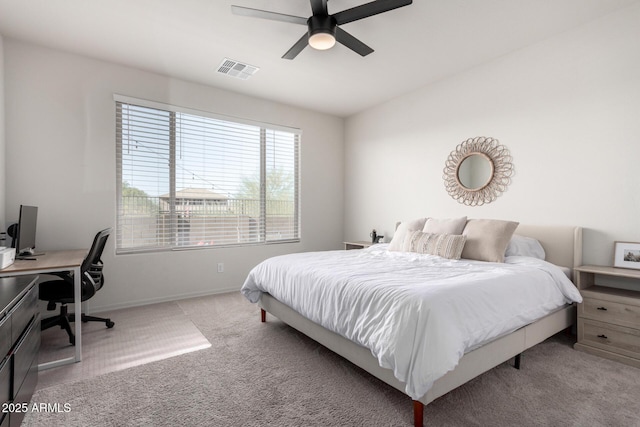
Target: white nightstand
(359,244)
(609,318)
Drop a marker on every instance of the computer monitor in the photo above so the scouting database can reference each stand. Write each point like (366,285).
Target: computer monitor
(26,233)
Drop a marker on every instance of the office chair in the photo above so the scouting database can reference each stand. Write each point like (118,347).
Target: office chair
(61,290)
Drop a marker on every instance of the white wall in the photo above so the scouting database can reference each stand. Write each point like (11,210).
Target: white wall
(568,110)
(60,133)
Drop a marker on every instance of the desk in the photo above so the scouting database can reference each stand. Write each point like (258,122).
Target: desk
(55,262)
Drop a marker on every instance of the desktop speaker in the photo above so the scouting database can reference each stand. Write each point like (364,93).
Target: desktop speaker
(12,231)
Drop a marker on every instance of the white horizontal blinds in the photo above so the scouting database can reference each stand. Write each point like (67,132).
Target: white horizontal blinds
(144,173)
(201,180)
(281,186)
(217,168)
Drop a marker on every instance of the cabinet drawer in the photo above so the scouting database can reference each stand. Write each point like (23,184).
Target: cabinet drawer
(25,358)
(22,314)
(24,394)
(5,336)
(25,368)
(613,338)
(612,312)
(5,382)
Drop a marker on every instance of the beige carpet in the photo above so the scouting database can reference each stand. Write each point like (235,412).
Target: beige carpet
(140,335)
(268,374)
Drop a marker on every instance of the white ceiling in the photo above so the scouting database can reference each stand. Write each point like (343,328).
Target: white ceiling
(188,39)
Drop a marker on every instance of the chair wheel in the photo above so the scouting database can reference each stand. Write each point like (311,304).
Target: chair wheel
(110,324)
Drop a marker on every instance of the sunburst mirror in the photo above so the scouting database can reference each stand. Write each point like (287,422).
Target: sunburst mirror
(478,171)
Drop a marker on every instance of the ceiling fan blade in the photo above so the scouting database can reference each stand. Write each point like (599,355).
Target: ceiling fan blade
(368,9)
(297,48)
(319,7)
(265,14)
(352,43)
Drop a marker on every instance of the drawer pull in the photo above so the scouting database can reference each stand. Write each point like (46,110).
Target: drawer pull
(602,336)
(602,308)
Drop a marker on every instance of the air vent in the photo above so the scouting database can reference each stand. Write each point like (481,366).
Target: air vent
(237,69)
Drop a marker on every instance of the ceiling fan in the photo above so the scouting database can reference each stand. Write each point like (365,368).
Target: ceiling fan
(323,29)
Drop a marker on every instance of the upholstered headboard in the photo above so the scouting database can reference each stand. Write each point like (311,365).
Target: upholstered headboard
(562,244)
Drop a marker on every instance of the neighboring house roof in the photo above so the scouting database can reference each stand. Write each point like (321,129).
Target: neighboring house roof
(196,194)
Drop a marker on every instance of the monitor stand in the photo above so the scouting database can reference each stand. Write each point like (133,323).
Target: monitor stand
(29,254)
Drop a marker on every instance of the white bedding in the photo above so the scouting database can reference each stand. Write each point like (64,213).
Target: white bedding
(418,314)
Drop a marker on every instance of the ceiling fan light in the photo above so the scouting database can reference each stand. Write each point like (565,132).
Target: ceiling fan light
(322,41)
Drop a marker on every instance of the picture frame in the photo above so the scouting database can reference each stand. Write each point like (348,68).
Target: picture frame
(626,255)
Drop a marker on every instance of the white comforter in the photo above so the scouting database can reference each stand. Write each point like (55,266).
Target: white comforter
(418,314)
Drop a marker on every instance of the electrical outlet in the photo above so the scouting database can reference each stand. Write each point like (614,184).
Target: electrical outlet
(220,267)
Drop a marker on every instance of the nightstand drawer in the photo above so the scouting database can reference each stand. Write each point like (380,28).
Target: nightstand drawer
(612,312)
(617,339)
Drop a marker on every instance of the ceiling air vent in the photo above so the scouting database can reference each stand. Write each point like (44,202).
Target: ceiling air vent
(237,69)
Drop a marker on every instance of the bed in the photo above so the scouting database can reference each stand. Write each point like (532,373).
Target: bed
(562,247)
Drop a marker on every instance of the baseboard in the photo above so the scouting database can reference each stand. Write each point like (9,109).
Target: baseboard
(148,301)
(607,355)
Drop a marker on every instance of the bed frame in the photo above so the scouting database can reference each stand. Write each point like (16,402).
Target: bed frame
(563,247)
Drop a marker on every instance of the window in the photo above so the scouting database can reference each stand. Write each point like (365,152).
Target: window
(188,178)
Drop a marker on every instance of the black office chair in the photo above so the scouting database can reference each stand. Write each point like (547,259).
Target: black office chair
(61,290)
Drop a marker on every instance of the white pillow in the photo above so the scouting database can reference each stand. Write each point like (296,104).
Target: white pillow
(525,246)
(445,225)
(443,245)
(402,230)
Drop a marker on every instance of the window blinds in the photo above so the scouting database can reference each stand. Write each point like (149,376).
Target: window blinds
(190,179)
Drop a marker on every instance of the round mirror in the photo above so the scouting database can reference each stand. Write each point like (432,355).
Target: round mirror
(475,171)
(478,171)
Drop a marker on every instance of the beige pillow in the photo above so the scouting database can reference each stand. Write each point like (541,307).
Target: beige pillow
(402,230)
(487,239)
(443,245)
(445,225)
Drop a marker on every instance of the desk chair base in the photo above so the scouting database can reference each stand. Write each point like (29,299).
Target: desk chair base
(64,320)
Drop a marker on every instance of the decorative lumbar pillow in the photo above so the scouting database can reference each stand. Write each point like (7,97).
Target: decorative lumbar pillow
(487,239)
(443,245)
(445,225)
(524,246)
(402,230)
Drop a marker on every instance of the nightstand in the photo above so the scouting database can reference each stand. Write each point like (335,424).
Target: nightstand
(360,244)
(609,318)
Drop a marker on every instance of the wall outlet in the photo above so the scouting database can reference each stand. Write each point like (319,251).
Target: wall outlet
(220,267)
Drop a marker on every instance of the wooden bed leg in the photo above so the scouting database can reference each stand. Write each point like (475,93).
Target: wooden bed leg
(418,413)
(263,316)
(516,363)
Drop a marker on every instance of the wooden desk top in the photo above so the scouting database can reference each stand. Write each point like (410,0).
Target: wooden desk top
(51,260)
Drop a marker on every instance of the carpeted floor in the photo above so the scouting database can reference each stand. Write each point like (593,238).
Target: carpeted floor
(269,375)
(141,335)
